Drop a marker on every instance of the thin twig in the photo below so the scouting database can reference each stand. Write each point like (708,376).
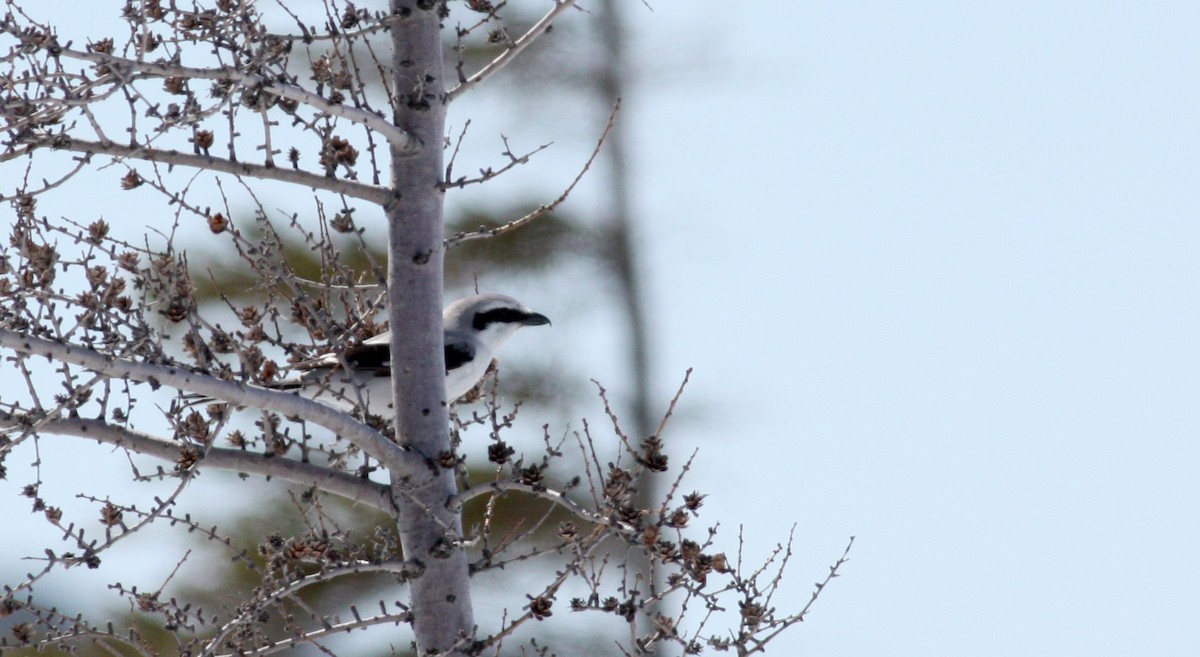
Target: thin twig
(510,53)
(485,232)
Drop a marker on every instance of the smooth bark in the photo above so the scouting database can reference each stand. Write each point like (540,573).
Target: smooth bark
(430,531)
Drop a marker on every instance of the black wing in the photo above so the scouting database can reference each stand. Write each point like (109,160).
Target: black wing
(458,354)
(376,357)
(364,357)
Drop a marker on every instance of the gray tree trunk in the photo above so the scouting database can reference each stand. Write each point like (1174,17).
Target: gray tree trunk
(429,531)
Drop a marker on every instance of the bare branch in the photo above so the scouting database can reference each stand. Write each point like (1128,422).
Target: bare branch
(238,393)
(515,49)
(687,376)
(490,173)
(327,631)
(485,232)
(398,138)
(760,643)
(327,479)
(456,503)
(371,193)
(403,569)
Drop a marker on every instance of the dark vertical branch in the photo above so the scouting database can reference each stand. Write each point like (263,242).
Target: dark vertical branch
(429,532)
(623,256)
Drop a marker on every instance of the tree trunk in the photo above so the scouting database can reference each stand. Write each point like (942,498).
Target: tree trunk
(440,597)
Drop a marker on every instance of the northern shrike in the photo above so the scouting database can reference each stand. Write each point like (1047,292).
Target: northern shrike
(475,327)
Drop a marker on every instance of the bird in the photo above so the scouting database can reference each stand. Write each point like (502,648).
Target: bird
(360,377)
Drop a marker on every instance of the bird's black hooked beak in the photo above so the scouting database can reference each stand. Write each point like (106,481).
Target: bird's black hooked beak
(535,319)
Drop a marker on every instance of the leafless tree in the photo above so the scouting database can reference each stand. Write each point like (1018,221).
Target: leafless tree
(206,107)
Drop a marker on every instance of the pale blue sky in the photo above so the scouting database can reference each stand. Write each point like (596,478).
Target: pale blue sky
(935,266)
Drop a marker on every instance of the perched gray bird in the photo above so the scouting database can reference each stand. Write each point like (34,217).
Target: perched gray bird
(475,328)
